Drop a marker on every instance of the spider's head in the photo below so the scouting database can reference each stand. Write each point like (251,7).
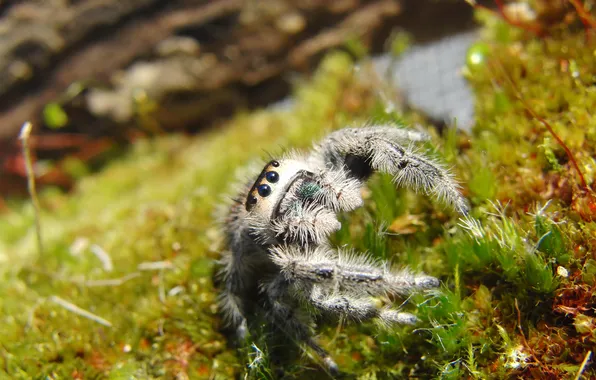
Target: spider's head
(272,185)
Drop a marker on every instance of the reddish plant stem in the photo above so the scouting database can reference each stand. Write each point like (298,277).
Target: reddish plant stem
(587,19)
(589,22)
(563,145)
(546,124)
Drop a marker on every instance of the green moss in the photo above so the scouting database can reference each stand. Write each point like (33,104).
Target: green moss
(517,276)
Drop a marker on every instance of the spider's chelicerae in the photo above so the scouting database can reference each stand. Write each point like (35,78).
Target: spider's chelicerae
(278,257)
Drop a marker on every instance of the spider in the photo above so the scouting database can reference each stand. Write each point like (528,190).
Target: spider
(278,258)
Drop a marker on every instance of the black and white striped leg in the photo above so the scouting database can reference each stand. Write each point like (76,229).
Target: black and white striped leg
(345,271)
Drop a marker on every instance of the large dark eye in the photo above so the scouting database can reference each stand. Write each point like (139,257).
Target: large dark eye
(272,177)
(264,190)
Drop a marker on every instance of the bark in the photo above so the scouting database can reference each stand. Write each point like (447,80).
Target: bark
(187,58)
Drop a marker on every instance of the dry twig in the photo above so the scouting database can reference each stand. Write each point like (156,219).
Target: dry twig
(77,310)
(24,137)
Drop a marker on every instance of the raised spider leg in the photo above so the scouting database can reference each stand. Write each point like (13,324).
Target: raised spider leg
(341,272)
(357,308)
(283,316)
(365,150)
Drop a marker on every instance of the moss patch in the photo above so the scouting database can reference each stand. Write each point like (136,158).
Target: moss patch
(518,297)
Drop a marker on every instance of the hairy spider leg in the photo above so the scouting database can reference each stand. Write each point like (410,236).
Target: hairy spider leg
(284,317)
(363,151)
(346,271)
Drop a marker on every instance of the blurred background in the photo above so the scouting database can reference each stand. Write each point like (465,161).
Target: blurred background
(93,75)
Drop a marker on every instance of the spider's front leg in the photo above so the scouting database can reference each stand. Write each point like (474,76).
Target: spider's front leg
(333,283)
(362,151)
(356,307)
(345,272)
(338,282)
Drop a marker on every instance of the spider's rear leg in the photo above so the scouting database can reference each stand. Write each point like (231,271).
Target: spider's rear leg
(282,315)
(233,315)
(383,149)
(346,272)
(232,279)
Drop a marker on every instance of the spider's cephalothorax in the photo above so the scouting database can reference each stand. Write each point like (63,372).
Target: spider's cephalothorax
(277,253)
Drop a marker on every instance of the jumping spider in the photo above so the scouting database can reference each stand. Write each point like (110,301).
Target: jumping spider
(278,256)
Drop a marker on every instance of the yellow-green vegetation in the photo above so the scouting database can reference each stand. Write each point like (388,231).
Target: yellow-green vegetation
(135,245)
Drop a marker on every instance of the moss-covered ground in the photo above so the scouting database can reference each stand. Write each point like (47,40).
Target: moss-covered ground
(519,291)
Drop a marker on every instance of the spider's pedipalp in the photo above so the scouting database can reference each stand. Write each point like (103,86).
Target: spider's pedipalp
(311,224)
(338,190)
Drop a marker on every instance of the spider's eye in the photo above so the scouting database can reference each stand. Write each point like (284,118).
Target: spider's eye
(251,200)
(272,177)
(274,163)
(264,190)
